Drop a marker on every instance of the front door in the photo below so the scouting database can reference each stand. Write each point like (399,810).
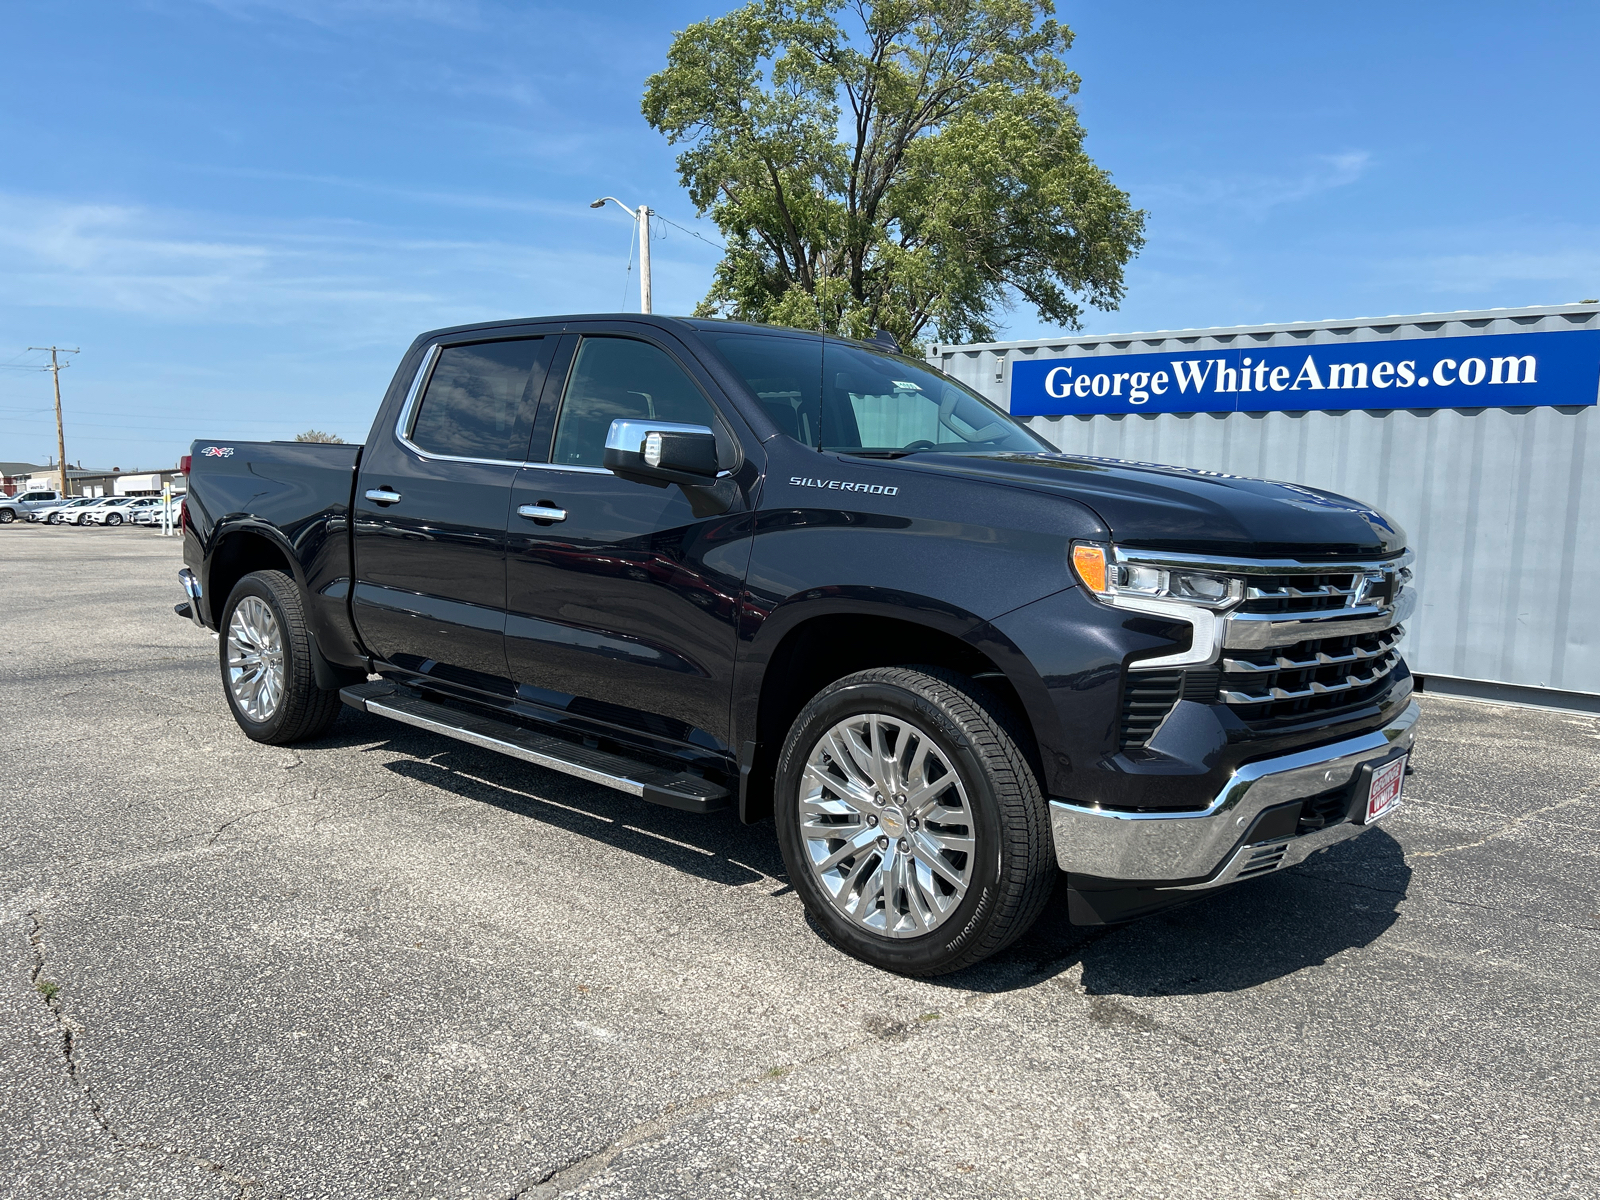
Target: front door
(621,601)
(430,512)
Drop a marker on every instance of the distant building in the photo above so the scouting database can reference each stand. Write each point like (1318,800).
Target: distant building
(82,482)
(18,477)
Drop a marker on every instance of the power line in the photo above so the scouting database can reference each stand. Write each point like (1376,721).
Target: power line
(627,275)
(691,233)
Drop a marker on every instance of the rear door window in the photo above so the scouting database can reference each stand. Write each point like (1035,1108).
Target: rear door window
(478,402)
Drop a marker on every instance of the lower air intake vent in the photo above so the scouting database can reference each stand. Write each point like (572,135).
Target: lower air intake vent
(1147,698)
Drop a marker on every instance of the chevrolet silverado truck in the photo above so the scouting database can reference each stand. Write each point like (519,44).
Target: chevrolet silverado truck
(816,581)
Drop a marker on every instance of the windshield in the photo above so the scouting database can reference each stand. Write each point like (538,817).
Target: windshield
(836,396)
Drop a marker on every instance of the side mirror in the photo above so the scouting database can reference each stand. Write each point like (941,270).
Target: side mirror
(661,452)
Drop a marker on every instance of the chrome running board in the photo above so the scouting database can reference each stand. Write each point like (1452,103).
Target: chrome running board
(675,789)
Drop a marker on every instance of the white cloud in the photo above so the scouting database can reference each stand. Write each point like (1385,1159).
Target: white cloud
(1257,194)
(176,267)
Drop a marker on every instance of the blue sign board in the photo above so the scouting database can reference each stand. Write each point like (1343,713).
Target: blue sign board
(1508,370)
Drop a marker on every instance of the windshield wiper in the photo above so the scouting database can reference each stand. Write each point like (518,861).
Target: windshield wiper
(856,452)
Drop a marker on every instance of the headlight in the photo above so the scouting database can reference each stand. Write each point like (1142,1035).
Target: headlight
(1097,567)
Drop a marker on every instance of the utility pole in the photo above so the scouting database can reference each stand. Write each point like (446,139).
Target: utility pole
(55,368)
(641,215)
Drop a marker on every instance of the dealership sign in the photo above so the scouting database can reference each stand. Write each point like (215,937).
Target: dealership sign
(1485,371)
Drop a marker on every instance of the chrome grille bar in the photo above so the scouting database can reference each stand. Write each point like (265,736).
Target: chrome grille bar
(1282,662)
(1380,669)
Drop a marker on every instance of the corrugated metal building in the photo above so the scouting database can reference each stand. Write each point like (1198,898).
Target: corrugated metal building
(1499,488)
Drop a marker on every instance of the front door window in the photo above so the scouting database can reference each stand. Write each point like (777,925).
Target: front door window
(619,377)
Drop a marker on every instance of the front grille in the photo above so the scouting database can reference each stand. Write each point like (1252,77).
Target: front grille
(1309,677)
(1301,680)
(1274,594)
(1300,592)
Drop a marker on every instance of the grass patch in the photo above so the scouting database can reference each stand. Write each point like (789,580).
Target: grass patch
(48,989)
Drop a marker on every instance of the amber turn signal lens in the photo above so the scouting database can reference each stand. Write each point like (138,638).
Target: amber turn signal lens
(1090,564)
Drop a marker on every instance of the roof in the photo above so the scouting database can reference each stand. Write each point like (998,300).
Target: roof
(1335,323)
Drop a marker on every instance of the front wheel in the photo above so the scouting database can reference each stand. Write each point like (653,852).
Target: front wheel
(53,519)
(910,821)
(113,518)
(265,653)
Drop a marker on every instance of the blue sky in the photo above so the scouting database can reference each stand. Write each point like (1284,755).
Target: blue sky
(243,210)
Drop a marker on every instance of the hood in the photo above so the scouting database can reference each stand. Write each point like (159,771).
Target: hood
(1184,509)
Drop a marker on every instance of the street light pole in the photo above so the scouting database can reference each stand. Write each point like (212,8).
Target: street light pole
(642,216)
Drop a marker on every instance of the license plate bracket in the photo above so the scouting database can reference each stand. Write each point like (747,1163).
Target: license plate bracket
(1380,786)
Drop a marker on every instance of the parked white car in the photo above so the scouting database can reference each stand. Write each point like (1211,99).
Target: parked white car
(63,510)
(152,514)
(81,515)
(117,511)
(19,507)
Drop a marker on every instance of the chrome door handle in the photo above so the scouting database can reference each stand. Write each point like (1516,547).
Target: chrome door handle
(542,512)
(382,496)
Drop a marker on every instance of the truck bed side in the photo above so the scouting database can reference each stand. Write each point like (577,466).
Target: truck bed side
(276,506)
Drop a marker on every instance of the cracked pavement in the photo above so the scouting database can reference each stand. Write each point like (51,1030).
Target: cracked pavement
(390,965)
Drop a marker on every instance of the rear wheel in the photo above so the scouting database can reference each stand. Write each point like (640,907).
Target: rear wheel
(265,653)
(7,516)
(910,821)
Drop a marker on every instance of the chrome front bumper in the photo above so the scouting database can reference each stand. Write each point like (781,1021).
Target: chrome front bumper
(1185,851)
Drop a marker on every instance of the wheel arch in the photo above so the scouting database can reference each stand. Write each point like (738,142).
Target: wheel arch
(238,550)
(806,644)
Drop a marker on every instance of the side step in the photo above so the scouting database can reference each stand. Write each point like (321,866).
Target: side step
(657,785)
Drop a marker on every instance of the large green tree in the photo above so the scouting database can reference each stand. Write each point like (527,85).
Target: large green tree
(910,165)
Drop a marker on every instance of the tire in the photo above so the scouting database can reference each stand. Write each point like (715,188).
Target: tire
(959,897)
(53,519)
(113,519)
(7,516)
(271,635)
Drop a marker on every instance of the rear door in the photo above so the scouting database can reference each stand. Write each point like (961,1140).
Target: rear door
(430,510)
(622,608)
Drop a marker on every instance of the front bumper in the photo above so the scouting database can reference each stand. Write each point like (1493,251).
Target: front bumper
(1196,850)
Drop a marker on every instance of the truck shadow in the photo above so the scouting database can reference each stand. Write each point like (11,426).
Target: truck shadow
(717,848)
(1341,899)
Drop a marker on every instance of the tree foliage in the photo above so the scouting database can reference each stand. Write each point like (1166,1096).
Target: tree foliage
(316,435)
(898,164)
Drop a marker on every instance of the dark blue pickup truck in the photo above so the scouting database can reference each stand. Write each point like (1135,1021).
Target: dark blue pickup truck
(813,580)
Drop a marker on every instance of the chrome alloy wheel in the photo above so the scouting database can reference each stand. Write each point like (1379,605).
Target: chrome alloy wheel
(255,659)
(887,825)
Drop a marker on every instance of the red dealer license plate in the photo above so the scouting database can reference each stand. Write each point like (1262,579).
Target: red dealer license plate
(1387,783)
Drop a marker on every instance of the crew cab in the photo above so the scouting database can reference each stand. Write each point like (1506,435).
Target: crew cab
(815,581)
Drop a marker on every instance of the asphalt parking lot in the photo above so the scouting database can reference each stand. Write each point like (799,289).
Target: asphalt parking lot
(391,965)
